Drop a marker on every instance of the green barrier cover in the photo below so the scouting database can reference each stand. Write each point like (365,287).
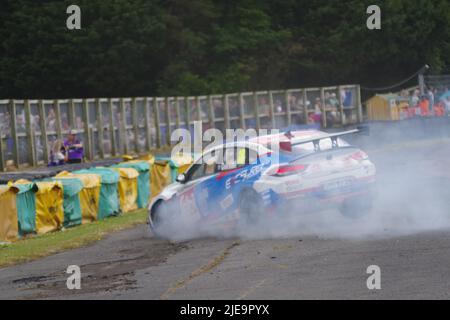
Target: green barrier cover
(26,208)
(71,204)
(109,194)
(143,180)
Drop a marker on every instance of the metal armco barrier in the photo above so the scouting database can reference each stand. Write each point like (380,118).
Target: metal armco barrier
(109,127)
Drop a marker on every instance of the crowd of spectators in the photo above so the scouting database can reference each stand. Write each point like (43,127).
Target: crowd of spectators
(434,102)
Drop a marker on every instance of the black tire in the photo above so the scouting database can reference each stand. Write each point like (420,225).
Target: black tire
(159,211)
(356,208)
(251,209)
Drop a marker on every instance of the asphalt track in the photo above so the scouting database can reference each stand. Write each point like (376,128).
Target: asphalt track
(407,235)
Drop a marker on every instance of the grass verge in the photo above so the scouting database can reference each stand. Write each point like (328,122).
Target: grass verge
(43,245)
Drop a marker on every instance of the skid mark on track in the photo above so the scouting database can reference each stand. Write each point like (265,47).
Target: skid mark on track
(213,263)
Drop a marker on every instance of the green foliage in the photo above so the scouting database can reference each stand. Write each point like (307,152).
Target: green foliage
(179,47)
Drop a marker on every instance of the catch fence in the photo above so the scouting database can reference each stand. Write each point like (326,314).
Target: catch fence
(109,127)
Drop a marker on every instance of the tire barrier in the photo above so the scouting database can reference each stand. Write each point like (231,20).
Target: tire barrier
(108,204)
(49,206)
(71,201)
(8,215)
(89,194)
(128,188)
(54,199)
(143,180)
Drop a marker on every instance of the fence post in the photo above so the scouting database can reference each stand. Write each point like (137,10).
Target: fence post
(256,111)
(135,125)
(72,116)
(98,110)
(92,141)
(305,106)
(43,131)
(2,156)
(271,111)
(123,126)
(87,132)
(241,111)
(177,113)
(158,129)
(30,134)
(168,129)
(341,106)
(288,108)
(359,104)
(226,113)
(187,114)
(148,136)
(323,107)
(14,133)
(58,119)
(211,113)
(112,129)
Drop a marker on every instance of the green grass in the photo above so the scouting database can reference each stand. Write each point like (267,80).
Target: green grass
(43,245)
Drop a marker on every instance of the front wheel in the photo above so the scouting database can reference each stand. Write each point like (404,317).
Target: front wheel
(160,217)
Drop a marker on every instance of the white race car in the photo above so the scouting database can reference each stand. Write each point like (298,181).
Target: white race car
(241,182)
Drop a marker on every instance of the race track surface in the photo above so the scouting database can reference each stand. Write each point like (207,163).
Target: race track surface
(321,256)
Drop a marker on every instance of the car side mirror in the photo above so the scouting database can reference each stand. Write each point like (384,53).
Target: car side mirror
(181,178)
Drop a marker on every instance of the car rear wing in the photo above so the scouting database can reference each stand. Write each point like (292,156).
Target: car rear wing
(287,145)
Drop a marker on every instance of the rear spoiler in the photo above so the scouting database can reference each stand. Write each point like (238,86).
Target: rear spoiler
(287,145)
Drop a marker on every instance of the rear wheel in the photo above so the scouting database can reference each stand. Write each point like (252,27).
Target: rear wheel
(356,207)
(251,209)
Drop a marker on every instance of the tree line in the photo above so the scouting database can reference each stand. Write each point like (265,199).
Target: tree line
(181,47)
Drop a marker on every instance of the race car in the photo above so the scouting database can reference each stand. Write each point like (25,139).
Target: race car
(241,182)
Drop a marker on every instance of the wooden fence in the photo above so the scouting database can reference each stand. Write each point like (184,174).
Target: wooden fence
(110,127)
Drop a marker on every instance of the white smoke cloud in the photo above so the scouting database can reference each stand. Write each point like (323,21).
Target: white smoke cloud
(412,195)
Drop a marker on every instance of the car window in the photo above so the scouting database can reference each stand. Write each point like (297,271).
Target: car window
(324,144)
(235,157)
(205,166)
(197,171)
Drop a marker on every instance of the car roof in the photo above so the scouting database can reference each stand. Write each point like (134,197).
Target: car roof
(286,136)
(261,143)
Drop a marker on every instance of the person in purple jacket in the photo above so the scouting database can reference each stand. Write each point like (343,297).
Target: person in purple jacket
(74,149)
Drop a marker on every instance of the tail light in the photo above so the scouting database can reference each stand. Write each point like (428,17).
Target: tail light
(359,156)
(287,170)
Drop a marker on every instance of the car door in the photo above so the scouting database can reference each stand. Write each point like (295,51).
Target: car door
(187,196)
(217,196)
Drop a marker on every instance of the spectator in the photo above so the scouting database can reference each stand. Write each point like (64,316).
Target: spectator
(424,106)
(51,120)
(79,124)
(334,101)
(57,153)
(332,115)
(317,115)
(447,105)
(430,96)
(64,122)
(414,101)
(74,149)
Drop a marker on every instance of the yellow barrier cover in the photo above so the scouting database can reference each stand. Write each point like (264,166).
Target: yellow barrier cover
(9,226)
(49,205)
(128,188)
(160,176)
